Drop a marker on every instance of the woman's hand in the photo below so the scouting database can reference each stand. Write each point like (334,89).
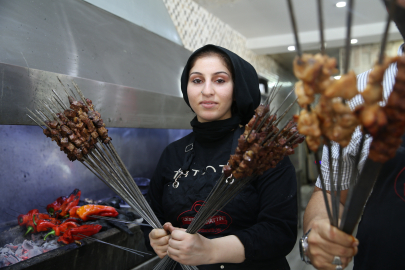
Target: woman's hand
(189,249)
(159,239)
(325,242)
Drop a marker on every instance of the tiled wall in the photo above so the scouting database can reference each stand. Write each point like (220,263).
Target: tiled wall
(363,57)
(197,27)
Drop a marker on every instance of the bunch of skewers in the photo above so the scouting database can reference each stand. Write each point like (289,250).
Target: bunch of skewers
(78,129)
(333,120)
(261,147)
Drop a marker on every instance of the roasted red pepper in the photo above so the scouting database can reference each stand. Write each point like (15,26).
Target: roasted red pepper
(72,234)
(43,225)
(38,217)
(70,202)
(55,206)
(77,220)
(24,219)
(72,212)
(100,210)
(60,229)
(31,226)
(37,220)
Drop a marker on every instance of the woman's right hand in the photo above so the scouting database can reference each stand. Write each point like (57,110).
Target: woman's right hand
(159,240)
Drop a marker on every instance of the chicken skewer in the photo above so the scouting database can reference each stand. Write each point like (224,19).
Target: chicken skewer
(304,101)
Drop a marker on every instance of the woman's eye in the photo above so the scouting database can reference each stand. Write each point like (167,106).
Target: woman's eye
(196,81)
(220,81)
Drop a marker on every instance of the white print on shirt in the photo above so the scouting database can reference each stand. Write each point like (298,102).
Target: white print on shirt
(176,173)
(179,171)
(222,166)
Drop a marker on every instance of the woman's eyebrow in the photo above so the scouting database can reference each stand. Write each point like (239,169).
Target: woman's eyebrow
(216,73)
(195,72)
(219,72)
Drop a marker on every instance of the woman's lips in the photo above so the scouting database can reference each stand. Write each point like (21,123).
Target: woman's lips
(208,104)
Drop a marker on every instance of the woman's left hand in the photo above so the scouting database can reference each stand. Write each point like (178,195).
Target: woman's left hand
(189,249)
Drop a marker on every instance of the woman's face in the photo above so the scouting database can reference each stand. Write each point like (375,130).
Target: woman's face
(210,89)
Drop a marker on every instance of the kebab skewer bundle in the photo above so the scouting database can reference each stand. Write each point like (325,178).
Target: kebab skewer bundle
(260,147)
(79,131)
(332,119)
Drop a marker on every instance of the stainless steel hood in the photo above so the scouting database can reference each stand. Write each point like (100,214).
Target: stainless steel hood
(131,74)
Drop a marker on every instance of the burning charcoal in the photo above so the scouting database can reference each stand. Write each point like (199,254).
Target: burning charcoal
(11,246)
(5,250)
(34,252)
(12,259)
(50,245)
(27,245)
(39,242)
(19,252)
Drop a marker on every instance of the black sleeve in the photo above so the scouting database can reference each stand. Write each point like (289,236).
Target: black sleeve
(154,198)
(275,233)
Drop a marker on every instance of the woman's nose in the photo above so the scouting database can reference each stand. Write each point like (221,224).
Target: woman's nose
(208,89)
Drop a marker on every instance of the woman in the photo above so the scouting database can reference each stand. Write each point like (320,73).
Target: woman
(258,228)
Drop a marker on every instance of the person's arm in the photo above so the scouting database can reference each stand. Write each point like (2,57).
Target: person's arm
(316,209)
(324,240)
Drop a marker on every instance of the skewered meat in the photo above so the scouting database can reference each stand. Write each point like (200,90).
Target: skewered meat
(372,118)
(346,123)
(334,120)
(388,138)
(308,124)
(308,67)
(303,92)
(258,151)
(76,133)
(373,92)
(345,87)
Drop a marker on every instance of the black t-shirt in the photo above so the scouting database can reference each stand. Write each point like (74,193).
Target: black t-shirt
(263,216)
(381,230)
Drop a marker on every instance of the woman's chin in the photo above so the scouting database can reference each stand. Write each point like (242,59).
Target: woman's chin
(210,118)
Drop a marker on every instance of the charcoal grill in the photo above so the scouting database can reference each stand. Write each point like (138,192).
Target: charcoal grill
(90,255)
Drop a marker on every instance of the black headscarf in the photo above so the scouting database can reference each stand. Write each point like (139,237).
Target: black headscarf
(245,83)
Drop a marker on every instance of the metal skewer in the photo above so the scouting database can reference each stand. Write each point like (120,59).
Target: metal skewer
(294,26)
(346,70)
(137,252)
(391,11)
(120,220)
(321,28)
(348,36)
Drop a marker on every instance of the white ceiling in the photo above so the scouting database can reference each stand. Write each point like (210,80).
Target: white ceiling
(266,23)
